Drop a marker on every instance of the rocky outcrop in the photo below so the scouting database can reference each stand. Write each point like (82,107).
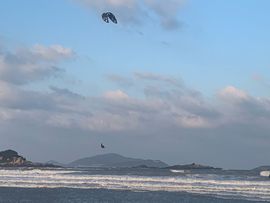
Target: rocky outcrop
(191,166)
(12,158)
(262,168)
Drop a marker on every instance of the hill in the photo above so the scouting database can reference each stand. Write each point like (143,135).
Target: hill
(115,160)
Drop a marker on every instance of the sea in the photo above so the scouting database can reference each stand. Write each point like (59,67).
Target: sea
(132,185)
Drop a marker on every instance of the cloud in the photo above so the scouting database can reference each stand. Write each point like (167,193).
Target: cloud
(64,92)
(167,12)
(32,64)
(233,94)
(120,80)
(261,80)
(192,122)
(116,95)
(137,12)
(165,102)
(240,107)
(159,78)
(52,53)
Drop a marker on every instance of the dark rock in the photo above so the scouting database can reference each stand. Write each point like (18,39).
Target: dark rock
(191,166)
(11,158)
(262,168)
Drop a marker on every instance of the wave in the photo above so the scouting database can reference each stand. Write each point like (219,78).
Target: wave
(177,171)
(212,185)
(265,173)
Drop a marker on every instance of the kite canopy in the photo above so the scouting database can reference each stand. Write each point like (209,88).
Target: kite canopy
(108,15)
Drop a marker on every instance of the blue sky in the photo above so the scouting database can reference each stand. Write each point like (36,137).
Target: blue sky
(212,49)
(225,40)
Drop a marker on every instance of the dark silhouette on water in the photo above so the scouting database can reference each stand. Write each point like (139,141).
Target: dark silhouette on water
(108,15)
(102,146)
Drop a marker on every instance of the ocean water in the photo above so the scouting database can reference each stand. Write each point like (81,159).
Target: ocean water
(131,185)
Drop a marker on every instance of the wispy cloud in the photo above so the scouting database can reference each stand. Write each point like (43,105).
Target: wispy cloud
(167,12)
(120,80)
(262,80)
(30,64)
(159,78)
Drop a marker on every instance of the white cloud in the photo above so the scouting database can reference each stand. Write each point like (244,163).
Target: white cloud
(232,93)
(52,53)
(237,106)
(193,122)
(116,95)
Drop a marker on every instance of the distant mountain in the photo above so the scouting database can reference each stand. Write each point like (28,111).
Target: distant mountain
(115,160)
(190,167)
(56,163)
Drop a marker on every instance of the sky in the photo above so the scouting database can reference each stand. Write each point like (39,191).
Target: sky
(181,81)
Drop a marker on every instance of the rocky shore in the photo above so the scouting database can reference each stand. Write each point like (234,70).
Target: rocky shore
(11,158)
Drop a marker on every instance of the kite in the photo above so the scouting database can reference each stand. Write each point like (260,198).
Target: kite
(108,15)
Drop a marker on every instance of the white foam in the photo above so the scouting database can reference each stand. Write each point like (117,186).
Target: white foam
(265,173)
(199,184)
(177,171)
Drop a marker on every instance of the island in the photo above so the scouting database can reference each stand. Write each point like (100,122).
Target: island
(11,158)
(117,161)
(192,167)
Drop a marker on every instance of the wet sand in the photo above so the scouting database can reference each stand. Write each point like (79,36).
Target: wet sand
(65,195)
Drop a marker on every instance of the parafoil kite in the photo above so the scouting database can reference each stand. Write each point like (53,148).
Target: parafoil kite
(108,15)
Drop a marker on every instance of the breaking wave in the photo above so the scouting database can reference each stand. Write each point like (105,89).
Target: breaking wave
(265,173)
(192,183)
